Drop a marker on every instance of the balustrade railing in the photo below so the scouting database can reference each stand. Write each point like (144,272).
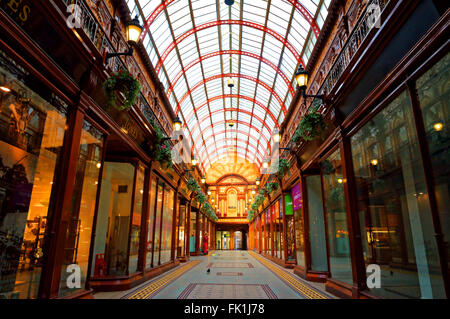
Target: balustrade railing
(359,33)
(98,37)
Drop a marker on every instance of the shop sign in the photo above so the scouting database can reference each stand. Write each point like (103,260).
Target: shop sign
(296,197)
(288,205)
(28,15)
(17,9)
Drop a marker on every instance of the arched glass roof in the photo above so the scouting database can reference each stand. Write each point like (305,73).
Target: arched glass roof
(197,46)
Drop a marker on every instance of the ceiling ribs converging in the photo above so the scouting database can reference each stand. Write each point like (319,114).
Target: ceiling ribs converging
(196,45)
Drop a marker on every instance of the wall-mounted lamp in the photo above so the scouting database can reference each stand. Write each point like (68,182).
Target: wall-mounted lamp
(177,124)
(301,76)
(203,180)
(134,30)
(276,136)
(258,181)
(266,163)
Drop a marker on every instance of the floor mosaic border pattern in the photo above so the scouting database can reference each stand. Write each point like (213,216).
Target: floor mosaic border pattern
(229,273)
(152,288)
(229,265)
(191,287)
(290,279)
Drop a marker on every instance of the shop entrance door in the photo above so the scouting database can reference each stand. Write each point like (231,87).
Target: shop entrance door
(238,240)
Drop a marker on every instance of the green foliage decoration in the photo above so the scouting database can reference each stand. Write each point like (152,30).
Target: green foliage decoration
(310,127)
(283,167)
(125,83)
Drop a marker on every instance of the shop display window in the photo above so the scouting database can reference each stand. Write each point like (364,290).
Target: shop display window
(150,223)
(167,225)
(157,237)
(299,237)
(192,231)
(434,98)
(338,239)
(281,228)
(289,217)
(181,231)
(31,139)
(77,243)
(136,220)
(394,208)
(110,256)
(316,224)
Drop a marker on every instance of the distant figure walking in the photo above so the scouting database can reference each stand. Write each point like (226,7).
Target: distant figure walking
(205,243)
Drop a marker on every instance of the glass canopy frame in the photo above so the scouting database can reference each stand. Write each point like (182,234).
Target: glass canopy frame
(196,46)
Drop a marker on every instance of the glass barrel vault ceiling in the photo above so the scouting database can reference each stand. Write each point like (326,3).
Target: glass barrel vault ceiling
(196,46)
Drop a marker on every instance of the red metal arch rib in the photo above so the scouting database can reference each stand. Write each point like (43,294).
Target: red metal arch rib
(222,22)
(240,132)
(232,109)
(237,52)
(223,122)
(301,8)
(305,13)
(231,75)
(238,96)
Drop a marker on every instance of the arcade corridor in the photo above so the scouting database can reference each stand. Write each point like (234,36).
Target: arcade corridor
(233,275)
(298,149)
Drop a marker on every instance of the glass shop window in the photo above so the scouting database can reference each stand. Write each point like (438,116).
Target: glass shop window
(136,220)
(167,225)
(316,224)
(181,249)
(338,240)
(393,204)
(110,256)
(31,139)
(299,237)
(150,223)
(159,203)
(192,230)
(77,243)
(434,97)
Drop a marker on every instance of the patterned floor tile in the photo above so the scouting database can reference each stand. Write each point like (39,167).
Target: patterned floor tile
(229,273)
(229,265)
(227,291)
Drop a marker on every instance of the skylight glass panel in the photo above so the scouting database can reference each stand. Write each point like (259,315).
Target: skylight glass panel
(235,37)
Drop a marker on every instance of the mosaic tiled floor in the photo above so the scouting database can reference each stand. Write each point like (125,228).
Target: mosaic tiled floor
(230,258)
(228,278)
(227,291)
(230,265)
(229,273)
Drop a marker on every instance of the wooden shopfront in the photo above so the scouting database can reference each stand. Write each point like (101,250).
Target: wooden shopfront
(380,168)
(87,193)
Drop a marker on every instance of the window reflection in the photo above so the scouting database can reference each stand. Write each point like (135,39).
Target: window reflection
(31,139)
(434,96)
(394,207)
(78,237)
(150,224)
(110,256)
(339,247)
(136,220)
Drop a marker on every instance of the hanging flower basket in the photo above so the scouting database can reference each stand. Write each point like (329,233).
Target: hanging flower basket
(122,83)
(310,127)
